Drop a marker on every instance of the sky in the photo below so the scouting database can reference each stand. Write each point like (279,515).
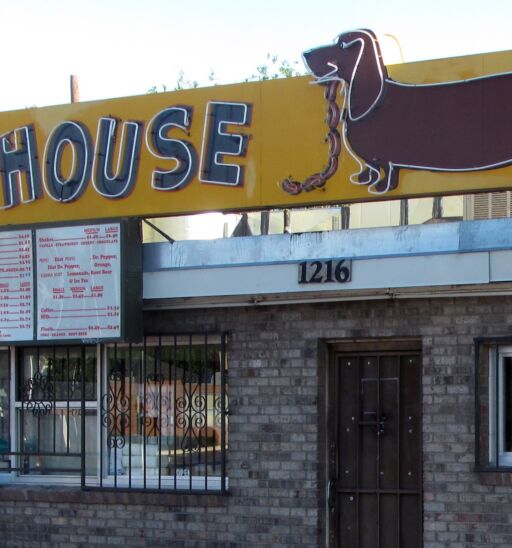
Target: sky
(125,47)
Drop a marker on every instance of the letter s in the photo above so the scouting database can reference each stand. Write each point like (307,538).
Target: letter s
(181,152)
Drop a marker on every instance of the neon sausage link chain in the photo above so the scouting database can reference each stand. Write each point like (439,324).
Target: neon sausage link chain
(318,180)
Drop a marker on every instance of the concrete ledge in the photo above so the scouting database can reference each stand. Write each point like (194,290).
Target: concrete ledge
(75,495)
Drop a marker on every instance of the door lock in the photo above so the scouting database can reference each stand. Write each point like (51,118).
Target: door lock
(382,422)
(379,422)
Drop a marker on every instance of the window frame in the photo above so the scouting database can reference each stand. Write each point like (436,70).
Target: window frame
(490,354)
(192,483)
(171,482)
(15,476)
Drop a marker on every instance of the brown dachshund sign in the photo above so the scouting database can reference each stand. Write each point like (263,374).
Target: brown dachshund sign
(403,131)
(453,126)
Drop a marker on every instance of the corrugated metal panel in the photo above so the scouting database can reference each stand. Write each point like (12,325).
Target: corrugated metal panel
(351,244)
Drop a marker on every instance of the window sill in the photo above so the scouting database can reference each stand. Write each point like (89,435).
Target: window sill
(495,476)
(75,495)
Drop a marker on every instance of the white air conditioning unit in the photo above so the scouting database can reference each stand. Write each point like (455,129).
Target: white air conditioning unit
(491,205)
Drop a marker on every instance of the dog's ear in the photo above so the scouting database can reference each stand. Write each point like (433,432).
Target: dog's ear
(368,76)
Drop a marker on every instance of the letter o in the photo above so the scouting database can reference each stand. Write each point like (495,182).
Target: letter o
(76,136)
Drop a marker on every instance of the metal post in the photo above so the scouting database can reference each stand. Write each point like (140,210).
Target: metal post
(264,222)
(287,221)
(404,212)
(345,216)
(223,412)
(437,208)
(82,405)
(74,90)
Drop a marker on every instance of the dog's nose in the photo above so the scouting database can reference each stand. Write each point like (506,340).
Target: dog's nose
(306,56)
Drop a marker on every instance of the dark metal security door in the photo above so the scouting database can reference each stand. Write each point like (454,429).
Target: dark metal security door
(374,491)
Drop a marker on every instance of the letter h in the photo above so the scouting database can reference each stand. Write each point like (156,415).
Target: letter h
(18,155)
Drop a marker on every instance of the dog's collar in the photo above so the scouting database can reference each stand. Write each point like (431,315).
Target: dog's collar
(329,76)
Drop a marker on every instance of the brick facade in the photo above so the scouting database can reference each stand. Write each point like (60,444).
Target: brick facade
(276,436)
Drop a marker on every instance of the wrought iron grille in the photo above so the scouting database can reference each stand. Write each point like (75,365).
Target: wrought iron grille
(149,416)
(163,414)
(54,406)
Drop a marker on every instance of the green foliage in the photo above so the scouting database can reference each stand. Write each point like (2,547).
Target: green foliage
(184,83)
(154,89)
(181,83)
(275,67)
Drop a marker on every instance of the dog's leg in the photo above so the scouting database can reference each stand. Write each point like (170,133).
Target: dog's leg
(393,176)
(366,176)
(389,180)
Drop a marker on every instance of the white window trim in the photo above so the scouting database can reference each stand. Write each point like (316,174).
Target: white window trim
(497,406)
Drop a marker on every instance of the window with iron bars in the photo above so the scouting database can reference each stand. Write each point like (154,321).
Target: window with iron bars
(150,416)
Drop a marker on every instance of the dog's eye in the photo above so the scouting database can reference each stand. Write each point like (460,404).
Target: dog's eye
(343,45)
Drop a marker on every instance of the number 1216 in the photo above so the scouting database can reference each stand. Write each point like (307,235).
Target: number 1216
(317,272)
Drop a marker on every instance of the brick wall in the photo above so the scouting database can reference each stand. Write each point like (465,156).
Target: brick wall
(276,437)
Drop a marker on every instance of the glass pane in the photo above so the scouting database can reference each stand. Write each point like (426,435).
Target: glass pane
(376,214)
(420,210)
(315,219)
(49,384)
(453,207)
(48,439)
(197,385)
(4,408)
(55,373)
(162,408)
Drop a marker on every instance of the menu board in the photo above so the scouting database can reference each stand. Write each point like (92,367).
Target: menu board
(79,282)
(16,286)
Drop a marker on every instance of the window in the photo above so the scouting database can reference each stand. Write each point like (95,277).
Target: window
(494,405)
(139,416)
(49,412)
(163,413)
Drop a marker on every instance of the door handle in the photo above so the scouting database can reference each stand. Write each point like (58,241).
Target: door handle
(331,488)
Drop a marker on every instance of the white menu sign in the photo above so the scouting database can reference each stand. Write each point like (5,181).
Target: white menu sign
(16,286)
(78,282)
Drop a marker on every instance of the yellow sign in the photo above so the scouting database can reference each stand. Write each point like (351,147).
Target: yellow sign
(279,143)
